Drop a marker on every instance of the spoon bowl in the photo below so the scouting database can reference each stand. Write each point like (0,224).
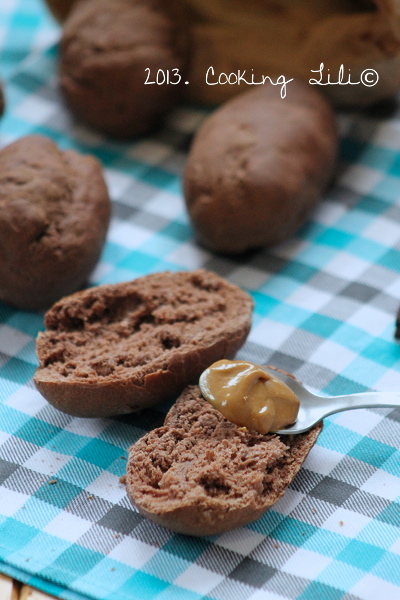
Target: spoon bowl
(314,408)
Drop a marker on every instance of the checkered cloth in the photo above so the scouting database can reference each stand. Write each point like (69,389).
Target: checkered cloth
(325,308)
(26,28)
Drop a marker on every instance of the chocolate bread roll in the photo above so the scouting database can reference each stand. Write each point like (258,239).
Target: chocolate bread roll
(54,215)
(258,166)
(201,475)
(108,50)
(116,349)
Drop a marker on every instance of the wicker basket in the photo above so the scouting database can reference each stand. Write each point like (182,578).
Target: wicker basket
(291,38)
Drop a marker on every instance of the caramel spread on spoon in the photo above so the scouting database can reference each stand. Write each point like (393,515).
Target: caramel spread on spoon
(249,396)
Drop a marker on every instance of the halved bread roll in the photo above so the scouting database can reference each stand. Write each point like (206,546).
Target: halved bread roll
(116,349)
(201,475)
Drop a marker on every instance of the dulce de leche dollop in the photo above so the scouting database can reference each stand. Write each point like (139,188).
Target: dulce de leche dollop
(249,396)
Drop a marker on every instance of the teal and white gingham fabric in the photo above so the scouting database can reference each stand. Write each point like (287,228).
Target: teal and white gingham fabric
(26,28)
(325,309)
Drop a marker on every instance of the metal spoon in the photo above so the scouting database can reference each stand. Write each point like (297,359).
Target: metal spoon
(314,408)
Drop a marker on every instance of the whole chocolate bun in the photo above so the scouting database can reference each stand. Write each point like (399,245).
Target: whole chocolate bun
(106,49)
(258,166)
(54,214)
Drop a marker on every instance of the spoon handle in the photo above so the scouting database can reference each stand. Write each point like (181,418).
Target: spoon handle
(322,406)
(367,400)
(327,406)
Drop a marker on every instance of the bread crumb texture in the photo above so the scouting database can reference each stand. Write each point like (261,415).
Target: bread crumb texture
(144,340)
(199,474)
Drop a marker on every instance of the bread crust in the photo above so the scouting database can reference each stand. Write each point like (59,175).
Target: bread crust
(54,215)
(258,166)
(117,349)
(201,475)
(105,50)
